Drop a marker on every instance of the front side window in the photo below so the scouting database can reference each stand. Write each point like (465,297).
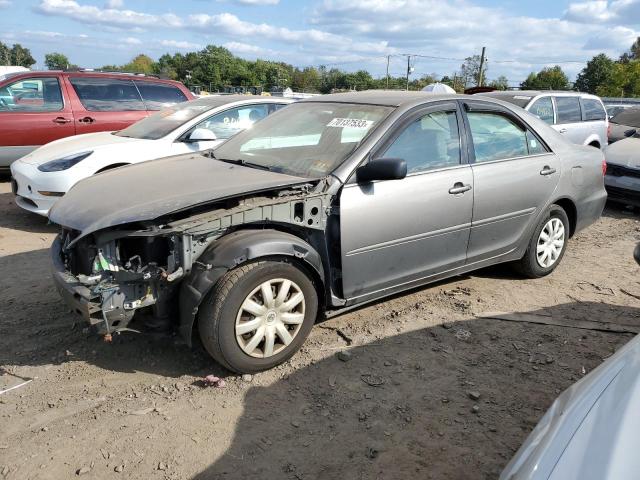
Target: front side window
(593,109)
(307,139)
(568,109)
(496,137)
(158,96)
(228,123)
(32,95)
(543,109)
(430,142)
(107,94)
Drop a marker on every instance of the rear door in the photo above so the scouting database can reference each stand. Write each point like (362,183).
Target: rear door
(158,96)
(569,119)
(33,111)
(594,118)
(104,104)
(397,231)
(514,176)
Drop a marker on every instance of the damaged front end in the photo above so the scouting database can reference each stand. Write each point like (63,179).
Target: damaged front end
(107,276)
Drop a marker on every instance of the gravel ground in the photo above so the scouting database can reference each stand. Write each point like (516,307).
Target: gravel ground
(429,388)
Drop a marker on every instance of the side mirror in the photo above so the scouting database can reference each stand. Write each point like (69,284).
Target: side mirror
(382,169)
(201,135)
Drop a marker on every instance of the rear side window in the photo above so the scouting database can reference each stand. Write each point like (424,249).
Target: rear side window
(228,123)
(593,109)
(496,137)
(543,109)
(157,96)
(32,95)
(568,109)
(429,142)
(107,94)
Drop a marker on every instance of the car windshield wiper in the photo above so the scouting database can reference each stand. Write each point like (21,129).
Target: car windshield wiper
(242,162)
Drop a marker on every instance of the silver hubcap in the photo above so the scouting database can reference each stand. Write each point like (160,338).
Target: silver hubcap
(550,243)
(270,318)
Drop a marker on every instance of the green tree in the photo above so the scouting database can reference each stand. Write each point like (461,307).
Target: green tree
(140,64)
(56,61)
(596,73)
(470,70)
(549,78)
(21,56)
(623,82)
(5,54)
(500,83)
(633,53)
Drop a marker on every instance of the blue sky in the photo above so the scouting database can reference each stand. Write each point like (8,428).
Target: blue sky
(520,36)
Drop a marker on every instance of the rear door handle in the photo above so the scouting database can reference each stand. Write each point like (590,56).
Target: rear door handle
(547,170)
(458,188)
(86,120)
(61,120)
(563,130)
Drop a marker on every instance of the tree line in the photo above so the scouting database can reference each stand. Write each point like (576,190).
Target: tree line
(213,68)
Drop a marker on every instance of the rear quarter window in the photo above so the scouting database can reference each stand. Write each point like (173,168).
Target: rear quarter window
(568,109)
(157,96)
(107,94)
(593,109)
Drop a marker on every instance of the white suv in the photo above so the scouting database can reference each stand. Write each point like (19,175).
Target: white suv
(579,116)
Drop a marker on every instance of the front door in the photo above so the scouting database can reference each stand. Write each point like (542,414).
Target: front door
(33,111)
(398,231)
(514,177)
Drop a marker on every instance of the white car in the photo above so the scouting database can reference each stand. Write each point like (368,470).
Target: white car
(591,430)
(40,178)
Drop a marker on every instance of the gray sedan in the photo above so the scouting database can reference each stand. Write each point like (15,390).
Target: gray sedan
(325,205)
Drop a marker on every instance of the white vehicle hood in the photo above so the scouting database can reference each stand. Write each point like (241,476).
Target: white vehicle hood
(591,430)
(78,144)
(624,152)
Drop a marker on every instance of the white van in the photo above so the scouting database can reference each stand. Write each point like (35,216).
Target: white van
(579,116)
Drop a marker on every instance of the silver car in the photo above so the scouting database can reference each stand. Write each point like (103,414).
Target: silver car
(325,205)
(581,117)
(622,180)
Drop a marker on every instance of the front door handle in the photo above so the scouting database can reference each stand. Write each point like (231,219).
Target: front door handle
(86,120)
(563,130)
(61,120)
(547,170)
(458,188)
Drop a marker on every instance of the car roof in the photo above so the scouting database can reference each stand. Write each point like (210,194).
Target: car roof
(219,100)
(390,98)
(88,73)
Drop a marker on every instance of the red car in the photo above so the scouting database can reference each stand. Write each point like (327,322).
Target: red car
(40,107)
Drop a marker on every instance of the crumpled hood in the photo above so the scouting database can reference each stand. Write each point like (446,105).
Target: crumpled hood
(75,144)
(148,190)
(624,152)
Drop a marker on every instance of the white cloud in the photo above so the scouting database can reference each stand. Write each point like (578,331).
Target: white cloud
(257,2)
(621,12)
(180,45)
(115,3)
(5,3)
(132,41)
(245,48)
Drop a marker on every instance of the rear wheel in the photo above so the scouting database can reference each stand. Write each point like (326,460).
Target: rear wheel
(547,245)
(258,315)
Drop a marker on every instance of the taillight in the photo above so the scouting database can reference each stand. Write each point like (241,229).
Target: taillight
(604,166)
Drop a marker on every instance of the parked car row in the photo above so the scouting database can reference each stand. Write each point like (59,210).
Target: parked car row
(39,107)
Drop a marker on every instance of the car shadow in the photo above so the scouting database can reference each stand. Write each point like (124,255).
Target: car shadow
(16,218)
(451,401)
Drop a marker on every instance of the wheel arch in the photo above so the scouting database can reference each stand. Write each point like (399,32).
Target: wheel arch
(571,210)
(111,167)
(238,248)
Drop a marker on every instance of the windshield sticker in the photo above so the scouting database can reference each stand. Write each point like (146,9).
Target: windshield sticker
(350,123)
(521,97)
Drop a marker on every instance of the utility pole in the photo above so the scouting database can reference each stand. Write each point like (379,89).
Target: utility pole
(408,70)
(388,58)
(482,60)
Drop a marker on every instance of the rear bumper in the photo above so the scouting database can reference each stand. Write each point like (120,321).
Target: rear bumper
(623,189)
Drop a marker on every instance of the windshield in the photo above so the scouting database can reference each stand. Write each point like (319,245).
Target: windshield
(308,139)
(164,122)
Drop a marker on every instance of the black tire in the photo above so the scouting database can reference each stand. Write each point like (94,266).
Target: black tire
(217,316)
(528,264)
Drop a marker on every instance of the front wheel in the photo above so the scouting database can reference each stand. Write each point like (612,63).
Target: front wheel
(547,245)
(258,315)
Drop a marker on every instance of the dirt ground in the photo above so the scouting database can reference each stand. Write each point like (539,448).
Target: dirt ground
(432,389)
